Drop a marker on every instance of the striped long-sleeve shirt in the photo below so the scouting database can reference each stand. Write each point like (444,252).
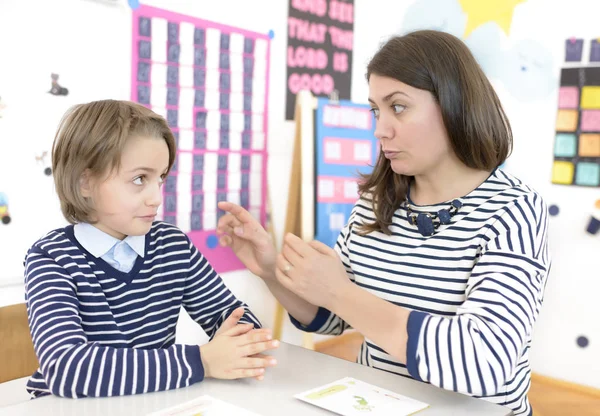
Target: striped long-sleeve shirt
(474,288)
(100,332)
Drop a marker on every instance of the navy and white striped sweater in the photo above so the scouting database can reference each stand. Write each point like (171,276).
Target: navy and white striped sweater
(101,332)
(475,287)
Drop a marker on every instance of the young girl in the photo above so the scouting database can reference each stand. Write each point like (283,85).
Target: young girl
(103,295)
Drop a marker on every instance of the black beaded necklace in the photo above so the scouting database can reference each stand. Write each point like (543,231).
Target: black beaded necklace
(427,223)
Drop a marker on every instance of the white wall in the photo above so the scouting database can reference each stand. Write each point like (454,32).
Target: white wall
(92,55)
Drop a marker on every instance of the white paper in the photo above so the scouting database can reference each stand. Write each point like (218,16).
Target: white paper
(211,162)
(260,49)
(234,197)
(362,152)
(213,48)
(336,221)
(210,200)
(237,82)
(258,101)
(350,190)
(204,405)
(256,163)
(186,118)
(351,397)
(184,221)
(258,141)
(184,184)
(236,43)
(236,63)
(186,55)
(257,122)
(158,78)
(235,162)
(213,118)
(333,150)
(235,142)
(211,98)
(187,100)
(236,102)
(185,162)
(326,188)
(186,77)
(234,181)
(159,40)
(210,181)
(186,34)
(212,140)
(158,96)
(186,140)
(209,221)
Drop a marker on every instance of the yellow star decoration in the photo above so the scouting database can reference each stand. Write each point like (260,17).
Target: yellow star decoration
(483,11)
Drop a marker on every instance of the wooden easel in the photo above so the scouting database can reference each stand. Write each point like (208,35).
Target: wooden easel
(299,217)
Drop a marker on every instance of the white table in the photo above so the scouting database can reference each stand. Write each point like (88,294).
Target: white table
(298,370)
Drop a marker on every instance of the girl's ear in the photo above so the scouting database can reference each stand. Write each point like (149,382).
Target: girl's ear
(85,184)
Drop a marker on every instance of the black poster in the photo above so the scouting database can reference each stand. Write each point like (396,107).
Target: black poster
(319,53)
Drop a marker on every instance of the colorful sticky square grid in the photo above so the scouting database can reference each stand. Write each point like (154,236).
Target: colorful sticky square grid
(562,172)
(568,97)
(590,120)
(565,145)
(588,174)
(590,98)
(589,145)
(566,120)
(577,139)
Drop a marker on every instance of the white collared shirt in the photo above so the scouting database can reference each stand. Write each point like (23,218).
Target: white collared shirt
(120,254)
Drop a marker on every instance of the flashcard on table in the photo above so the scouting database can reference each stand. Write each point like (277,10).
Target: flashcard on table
(204,405)
(350,397)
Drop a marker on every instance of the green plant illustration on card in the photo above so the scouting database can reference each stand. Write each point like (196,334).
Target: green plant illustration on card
(362,404)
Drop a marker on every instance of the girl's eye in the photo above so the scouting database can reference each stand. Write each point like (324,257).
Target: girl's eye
(161,180)
(139,180)
(398,108)
(375,112)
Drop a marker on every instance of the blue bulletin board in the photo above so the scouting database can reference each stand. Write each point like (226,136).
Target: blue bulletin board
(345,146)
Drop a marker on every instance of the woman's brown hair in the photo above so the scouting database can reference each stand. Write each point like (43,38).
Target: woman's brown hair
(91,137)
(479,131)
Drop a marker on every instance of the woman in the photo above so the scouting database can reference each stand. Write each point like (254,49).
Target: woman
(443,263)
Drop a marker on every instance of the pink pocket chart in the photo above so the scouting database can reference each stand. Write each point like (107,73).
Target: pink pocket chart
(210,82)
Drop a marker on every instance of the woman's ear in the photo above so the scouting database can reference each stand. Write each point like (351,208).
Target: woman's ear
(85,184)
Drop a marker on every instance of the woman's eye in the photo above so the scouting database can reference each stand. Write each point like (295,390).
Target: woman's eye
(375,112)
(398,108)
(139,180)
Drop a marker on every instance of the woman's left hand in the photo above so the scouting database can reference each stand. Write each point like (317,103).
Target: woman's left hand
(313,271)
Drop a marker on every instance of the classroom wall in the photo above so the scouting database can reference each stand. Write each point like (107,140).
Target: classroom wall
(92,55)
